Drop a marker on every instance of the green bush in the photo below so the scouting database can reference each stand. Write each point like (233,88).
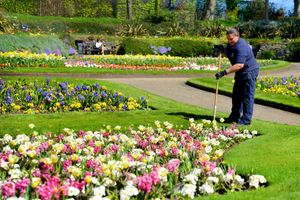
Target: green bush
(33,43)
(180,46)
(5,25)
(285,28)
(209,28)
(294,46)
(20,6)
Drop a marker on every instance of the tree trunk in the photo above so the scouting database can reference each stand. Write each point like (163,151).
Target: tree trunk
(296,8)
(114,4)
(210,9)
(266,9)
(129,9)
(156,7)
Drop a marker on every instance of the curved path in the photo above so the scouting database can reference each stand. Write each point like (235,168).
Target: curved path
(174,87)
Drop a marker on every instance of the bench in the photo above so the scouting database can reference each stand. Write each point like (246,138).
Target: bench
(89,47)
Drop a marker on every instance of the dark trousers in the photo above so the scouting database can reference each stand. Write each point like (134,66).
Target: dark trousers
(243,97)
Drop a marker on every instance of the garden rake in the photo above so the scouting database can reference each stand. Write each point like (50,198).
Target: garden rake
(217,88)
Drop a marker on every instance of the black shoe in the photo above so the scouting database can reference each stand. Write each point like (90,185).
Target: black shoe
(229,120)
(241,123)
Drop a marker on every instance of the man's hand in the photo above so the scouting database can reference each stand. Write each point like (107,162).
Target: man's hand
(220,74)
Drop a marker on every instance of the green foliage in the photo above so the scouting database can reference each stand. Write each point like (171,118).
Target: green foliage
(5,25)
(175,30)
(290,28)
(294,46)
(210,28)
(165,16)
(51,24)
(259,29)
(133,30)
(180,46)
(34,43)
(286,28)
(20,6)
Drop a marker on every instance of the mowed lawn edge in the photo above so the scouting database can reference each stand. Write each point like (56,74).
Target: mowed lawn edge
(273,154)
(283,102)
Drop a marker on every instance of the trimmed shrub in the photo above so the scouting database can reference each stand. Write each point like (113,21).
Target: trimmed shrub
(185,47)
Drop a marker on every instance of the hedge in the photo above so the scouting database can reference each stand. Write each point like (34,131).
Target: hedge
(180,46)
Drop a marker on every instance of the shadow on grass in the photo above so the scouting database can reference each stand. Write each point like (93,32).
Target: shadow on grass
(192,115)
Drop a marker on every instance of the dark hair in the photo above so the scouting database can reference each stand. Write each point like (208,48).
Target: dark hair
(232,31)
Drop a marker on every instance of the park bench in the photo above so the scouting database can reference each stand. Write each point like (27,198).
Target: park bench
(89,47)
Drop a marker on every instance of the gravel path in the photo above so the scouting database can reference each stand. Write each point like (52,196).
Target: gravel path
(174,87)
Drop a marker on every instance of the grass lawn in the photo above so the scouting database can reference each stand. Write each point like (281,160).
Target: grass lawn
(274,154)
(270,99)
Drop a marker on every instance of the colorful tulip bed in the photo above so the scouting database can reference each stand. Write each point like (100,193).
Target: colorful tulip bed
(147,163)
(123,62)
(280,85)
(47,96)
(26,59)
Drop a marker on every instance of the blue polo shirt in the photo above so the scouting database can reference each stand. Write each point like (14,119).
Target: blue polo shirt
(242,53)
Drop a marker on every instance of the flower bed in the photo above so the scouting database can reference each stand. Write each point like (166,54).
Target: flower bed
(148,163)
(285,85)
(26,59)
(91,64)
(47,96)
(123,62)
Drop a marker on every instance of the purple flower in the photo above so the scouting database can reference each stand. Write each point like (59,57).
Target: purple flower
(48,51)
(84,87)
(77,88)
(47,81)
(63,85)
(62,103)
(57,52)
(116,95)
(71,51)
(44,93)
(96,94)
(8,92)
(28,98)
(163,50)
(104,94)
(81,98)
(9,100)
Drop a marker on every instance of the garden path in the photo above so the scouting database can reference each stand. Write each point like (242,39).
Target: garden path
(175,88)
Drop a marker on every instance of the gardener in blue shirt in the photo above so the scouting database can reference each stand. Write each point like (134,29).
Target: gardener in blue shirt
(246,69)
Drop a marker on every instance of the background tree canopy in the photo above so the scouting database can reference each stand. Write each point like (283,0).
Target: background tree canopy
(151,10)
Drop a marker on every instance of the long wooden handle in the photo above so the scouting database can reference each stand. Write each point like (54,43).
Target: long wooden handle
(217,89)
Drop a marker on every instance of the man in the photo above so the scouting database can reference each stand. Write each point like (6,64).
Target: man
(246,69)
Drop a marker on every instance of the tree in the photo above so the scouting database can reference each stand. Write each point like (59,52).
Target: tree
(232,9)
(267,9)
(129,9)
(297,8)
(210,7)
(114,4)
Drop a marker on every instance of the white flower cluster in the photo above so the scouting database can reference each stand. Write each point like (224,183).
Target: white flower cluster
(256,180)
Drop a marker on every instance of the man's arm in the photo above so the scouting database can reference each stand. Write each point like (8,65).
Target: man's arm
(234,68)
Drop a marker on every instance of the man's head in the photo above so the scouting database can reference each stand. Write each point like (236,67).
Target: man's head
(232,36)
